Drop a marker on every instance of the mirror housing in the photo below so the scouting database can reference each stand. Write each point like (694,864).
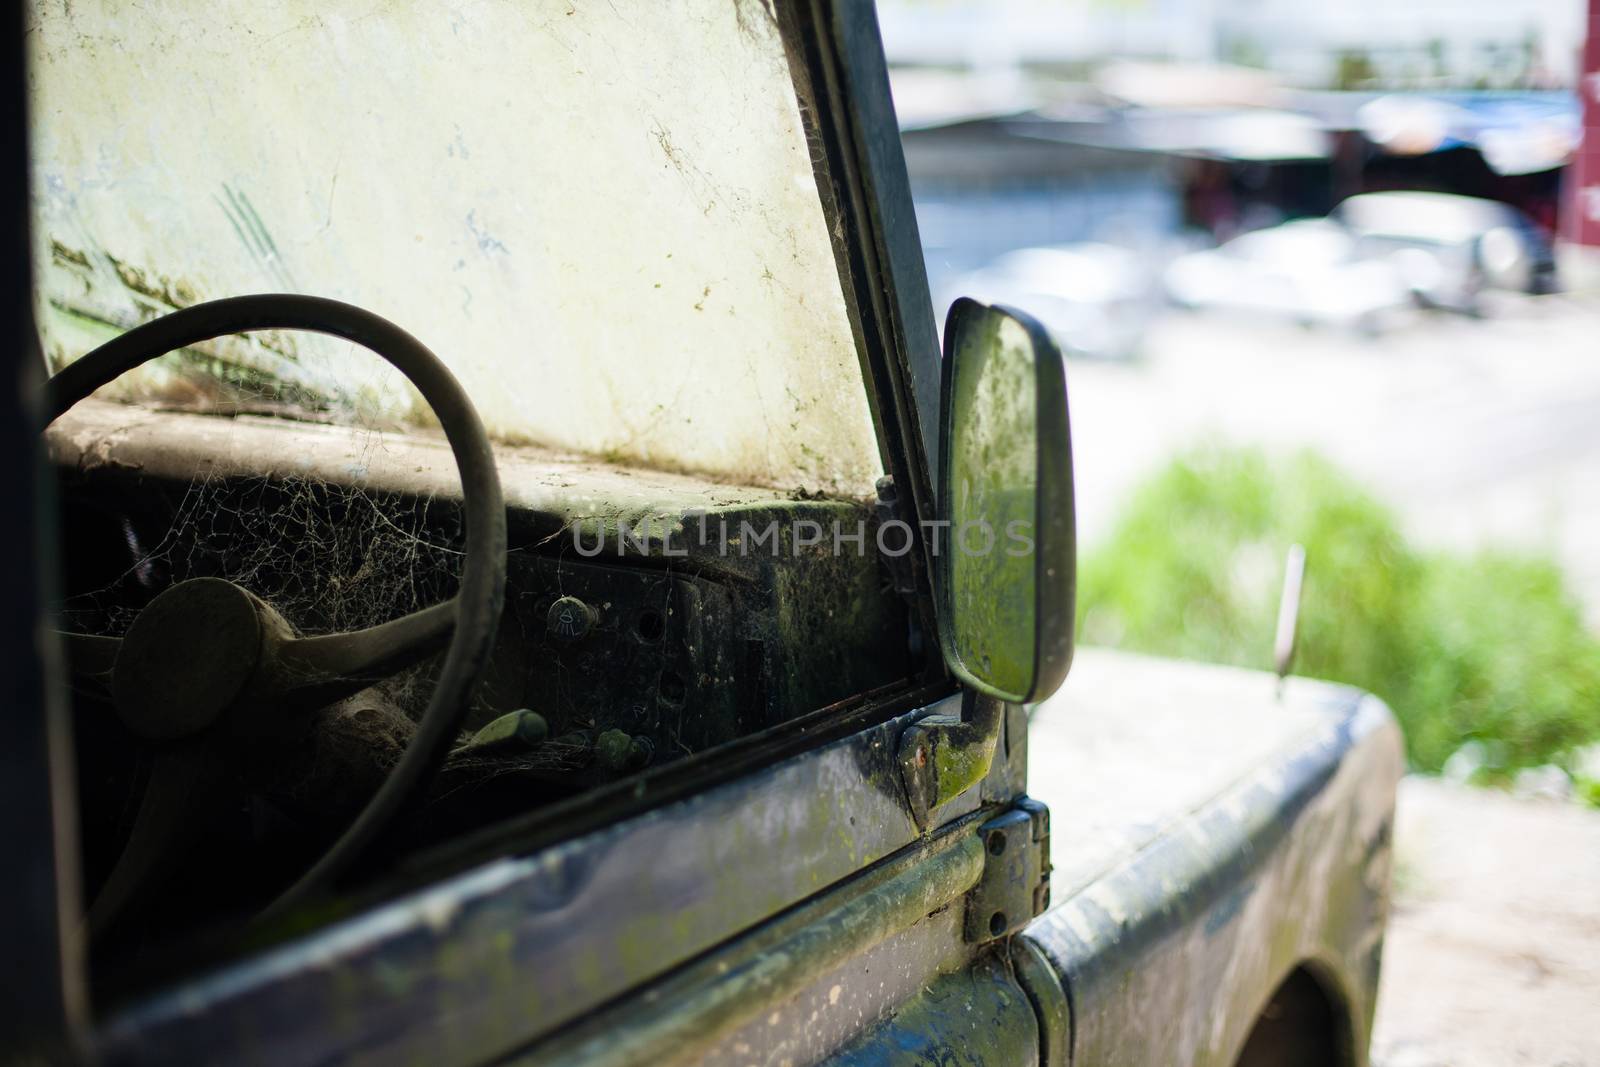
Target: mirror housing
(1005,551)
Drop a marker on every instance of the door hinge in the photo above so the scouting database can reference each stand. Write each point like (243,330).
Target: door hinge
(1015,886)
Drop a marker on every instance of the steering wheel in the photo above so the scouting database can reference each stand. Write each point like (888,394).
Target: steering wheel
(209,671)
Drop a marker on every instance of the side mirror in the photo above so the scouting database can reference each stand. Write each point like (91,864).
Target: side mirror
(1006,550)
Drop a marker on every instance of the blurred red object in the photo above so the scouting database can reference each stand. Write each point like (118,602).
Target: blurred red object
(1584,206)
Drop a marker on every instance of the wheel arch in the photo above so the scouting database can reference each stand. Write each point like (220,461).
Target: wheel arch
(1307,1020)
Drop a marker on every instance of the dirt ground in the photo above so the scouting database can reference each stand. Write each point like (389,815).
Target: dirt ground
(1493,952)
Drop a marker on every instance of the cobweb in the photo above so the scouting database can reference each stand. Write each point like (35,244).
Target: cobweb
(329,558)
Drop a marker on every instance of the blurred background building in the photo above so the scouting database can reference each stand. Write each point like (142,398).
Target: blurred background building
(1165,123)
(1423,44)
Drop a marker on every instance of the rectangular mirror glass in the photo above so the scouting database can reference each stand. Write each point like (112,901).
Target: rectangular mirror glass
(1006,554)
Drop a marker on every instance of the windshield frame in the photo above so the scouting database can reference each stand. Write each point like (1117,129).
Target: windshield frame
(842,80)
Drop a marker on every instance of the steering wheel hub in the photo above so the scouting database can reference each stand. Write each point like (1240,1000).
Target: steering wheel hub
(187,658)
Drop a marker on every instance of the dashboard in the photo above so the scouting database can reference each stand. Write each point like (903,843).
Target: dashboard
(649,617)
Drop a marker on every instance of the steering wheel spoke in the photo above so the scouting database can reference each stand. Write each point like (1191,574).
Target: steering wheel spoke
(316,671)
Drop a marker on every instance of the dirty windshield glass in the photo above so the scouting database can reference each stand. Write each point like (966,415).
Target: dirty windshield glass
(602,216)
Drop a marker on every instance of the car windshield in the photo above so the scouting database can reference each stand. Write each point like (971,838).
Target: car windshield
(603,216)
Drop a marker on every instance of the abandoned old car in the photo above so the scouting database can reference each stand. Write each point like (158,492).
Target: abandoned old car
(509,577)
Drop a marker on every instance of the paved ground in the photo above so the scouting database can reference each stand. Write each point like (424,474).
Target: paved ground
(1478,432)
(1493,951)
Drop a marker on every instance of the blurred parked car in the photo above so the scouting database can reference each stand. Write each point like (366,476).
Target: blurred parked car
(1452,247)
(1095,299)
(1375,253)
(1313,271)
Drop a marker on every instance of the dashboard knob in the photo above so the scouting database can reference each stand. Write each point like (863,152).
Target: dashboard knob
(569,620)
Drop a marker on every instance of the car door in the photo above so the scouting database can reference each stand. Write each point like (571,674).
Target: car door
(842,885)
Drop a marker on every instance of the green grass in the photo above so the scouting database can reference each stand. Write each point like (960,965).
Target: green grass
(1490,647)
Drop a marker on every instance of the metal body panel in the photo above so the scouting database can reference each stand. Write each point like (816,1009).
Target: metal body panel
(486,961)
(1209,839)
(800,986)
(976,1017)
(844,1003)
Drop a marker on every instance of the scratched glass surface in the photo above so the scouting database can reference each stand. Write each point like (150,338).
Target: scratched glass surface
(602,216)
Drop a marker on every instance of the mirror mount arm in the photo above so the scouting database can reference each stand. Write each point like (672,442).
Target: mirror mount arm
(942,756)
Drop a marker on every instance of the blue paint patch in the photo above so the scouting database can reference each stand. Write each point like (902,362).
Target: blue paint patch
(1228,908)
